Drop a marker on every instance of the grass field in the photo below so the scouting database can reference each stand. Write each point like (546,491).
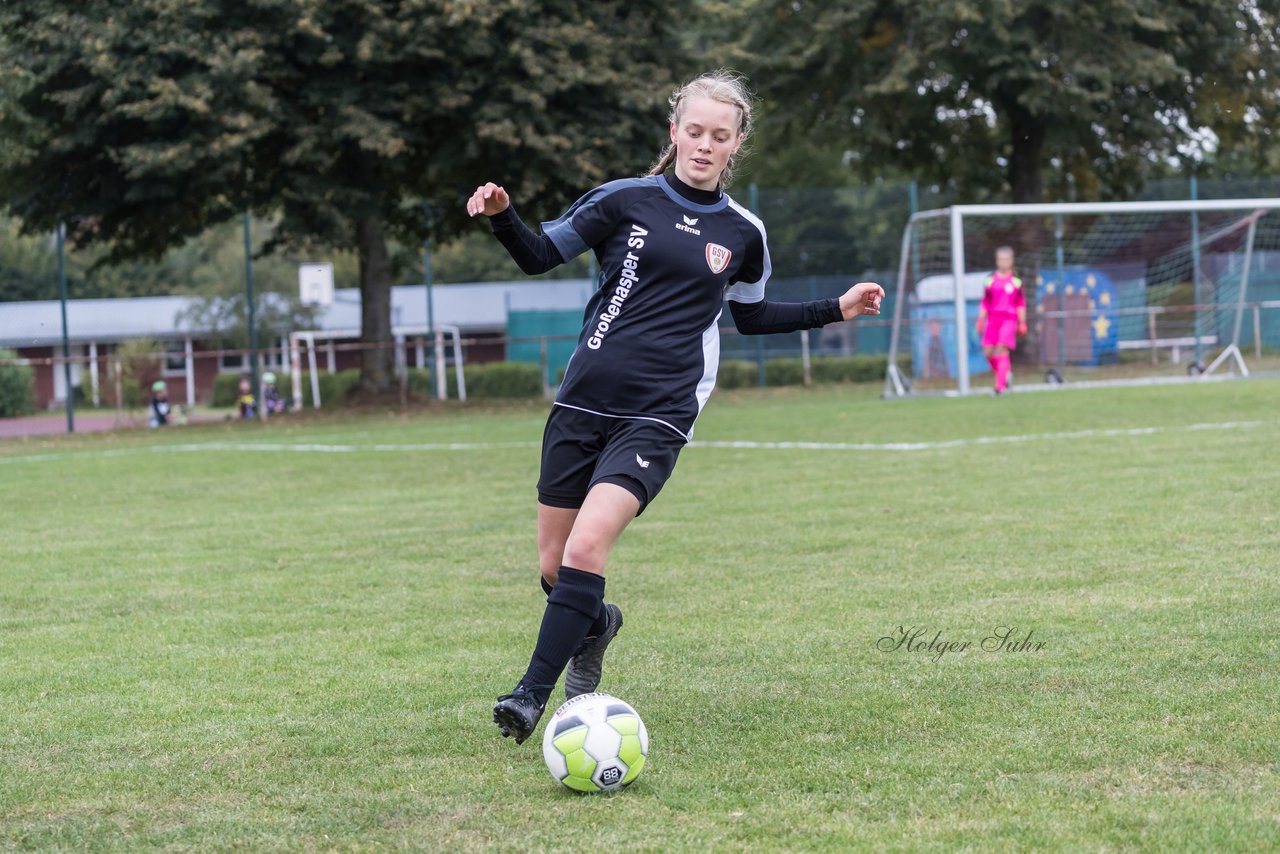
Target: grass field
(233,637)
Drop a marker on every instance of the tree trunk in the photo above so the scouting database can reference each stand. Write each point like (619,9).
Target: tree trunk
(377,361)
(1026,167)
(1026,163)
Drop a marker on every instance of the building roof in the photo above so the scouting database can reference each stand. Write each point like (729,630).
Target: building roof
(474,307)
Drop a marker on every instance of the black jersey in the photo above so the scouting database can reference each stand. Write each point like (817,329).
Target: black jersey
(668,256)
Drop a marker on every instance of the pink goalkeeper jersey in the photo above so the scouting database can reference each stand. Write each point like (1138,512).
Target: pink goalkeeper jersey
(1003,295)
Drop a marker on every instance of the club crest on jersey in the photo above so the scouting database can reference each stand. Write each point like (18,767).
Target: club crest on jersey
(717,257)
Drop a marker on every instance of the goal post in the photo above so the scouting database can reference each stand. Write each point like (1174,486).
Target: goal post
(1109,286)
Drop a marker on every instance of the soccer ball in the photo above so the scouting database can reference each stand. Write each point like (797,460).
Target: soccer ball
(595,743)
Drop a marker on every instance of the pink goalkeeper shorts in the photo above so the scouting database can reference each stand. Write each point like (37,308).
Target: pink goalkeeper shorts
(1001,332)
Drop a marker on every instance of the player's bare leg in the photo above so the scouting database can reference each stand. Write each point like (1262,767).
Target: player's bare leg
(554,527)
(611,509)
(574,605)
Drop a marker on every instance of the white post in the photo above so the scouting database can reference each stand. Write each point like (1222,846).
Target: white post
(1233,349)
(311,363)
(419,354)
(442,385)
(190,364)
(295,371)
(92,373)
(457,363)
(332,357)
(1257,331)
(804,357)
(892,377)
(962,324)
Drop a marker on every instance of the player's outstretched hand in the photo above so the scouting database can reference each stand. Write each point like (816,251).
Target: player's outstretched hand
(1022,328)
(488,199)
(862,298)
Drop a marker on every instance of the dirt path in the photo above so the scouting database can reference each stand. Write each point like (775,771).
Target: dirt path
(86,422)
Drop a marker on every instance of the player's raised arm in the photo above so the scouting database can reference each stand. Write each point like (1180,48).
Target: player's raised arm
(862,298)
(768,318)
(534,253)
(488,199)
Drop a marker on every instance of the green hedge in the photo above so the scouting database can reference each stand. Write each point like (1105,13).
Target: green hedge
(487,381)
(225,389)
(854,369)
(517,380)
(789,370)
(17,388)
(334,388)
(737,373)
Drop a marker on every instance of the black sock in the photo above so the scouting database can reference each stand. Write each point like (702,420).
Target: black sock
(572,606)
(597,628)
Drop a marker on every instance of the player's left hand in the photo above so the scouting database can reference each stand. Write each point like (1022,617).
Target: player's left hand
(862,298)
(1022,328)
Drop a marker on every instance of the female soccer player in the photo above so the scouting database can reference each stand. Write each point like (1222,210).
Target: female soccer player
(671,246)
(1002,316)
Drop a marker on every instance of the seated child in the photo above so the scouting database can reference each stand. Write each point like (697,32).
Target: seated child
(159,404)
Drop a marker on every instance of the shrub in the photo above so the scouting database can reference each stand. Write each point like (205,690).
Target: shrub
(485,381)
(139,368)
(17,387)
(334,388)
(226,387)
(737,373)
(787,370)
(854,369)
(495,380)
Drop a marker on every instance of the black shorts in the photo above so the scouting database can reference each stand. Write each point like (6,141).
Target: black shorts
(581,449)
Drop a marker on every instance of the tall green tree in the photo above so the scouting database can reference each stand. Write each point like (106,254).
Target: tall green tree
(988,95)
(142,123)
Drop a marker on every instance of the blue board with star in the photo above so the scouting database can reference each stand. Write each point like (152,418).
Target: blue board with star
(1081,287)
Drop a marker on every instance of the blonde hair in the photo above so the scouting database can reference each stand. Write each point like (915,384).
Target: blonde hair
(723,85)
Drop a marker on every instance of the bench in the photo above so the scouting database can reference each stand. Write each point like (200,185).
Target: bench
(1174,345)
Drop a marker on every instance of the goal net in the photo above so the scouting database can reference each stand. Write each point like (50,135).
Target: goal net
(1125,291)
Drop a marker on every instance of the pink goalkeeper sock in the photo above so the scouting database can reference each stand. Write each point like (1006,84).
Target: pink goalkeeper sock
(1002,371)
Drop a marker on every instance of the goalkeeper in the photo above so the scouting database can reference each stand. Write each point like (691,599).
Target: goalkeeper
(1002,316)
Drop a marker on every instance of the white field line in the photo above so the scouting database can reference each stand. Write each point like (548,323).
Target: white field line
(330,448)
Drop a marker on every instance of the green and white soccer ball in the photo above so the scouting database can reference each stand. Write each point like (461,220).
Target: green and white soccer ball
(595,743)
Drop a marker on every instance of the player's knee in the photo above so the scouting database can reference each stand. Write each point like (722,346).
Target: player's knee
(586,549)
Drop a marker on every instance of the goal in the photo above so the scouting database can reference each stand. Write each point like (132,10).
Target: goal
(1115,292)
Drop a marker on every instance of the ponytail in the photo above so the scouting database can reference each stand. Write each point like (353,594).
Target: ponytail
(665,159)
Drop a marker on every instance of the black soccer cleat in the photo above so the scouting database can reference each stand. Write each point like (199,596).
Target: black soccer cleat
(583,674)
(517,714)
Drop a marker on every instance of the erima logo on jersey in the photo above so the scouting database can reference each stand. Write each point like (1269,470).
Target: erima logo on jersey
(688,225)
(717,257)
(627,280)
(644,464)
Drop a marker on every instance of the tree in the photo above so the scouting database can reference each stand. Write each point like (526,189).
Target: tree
(142,123)
(987,94)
